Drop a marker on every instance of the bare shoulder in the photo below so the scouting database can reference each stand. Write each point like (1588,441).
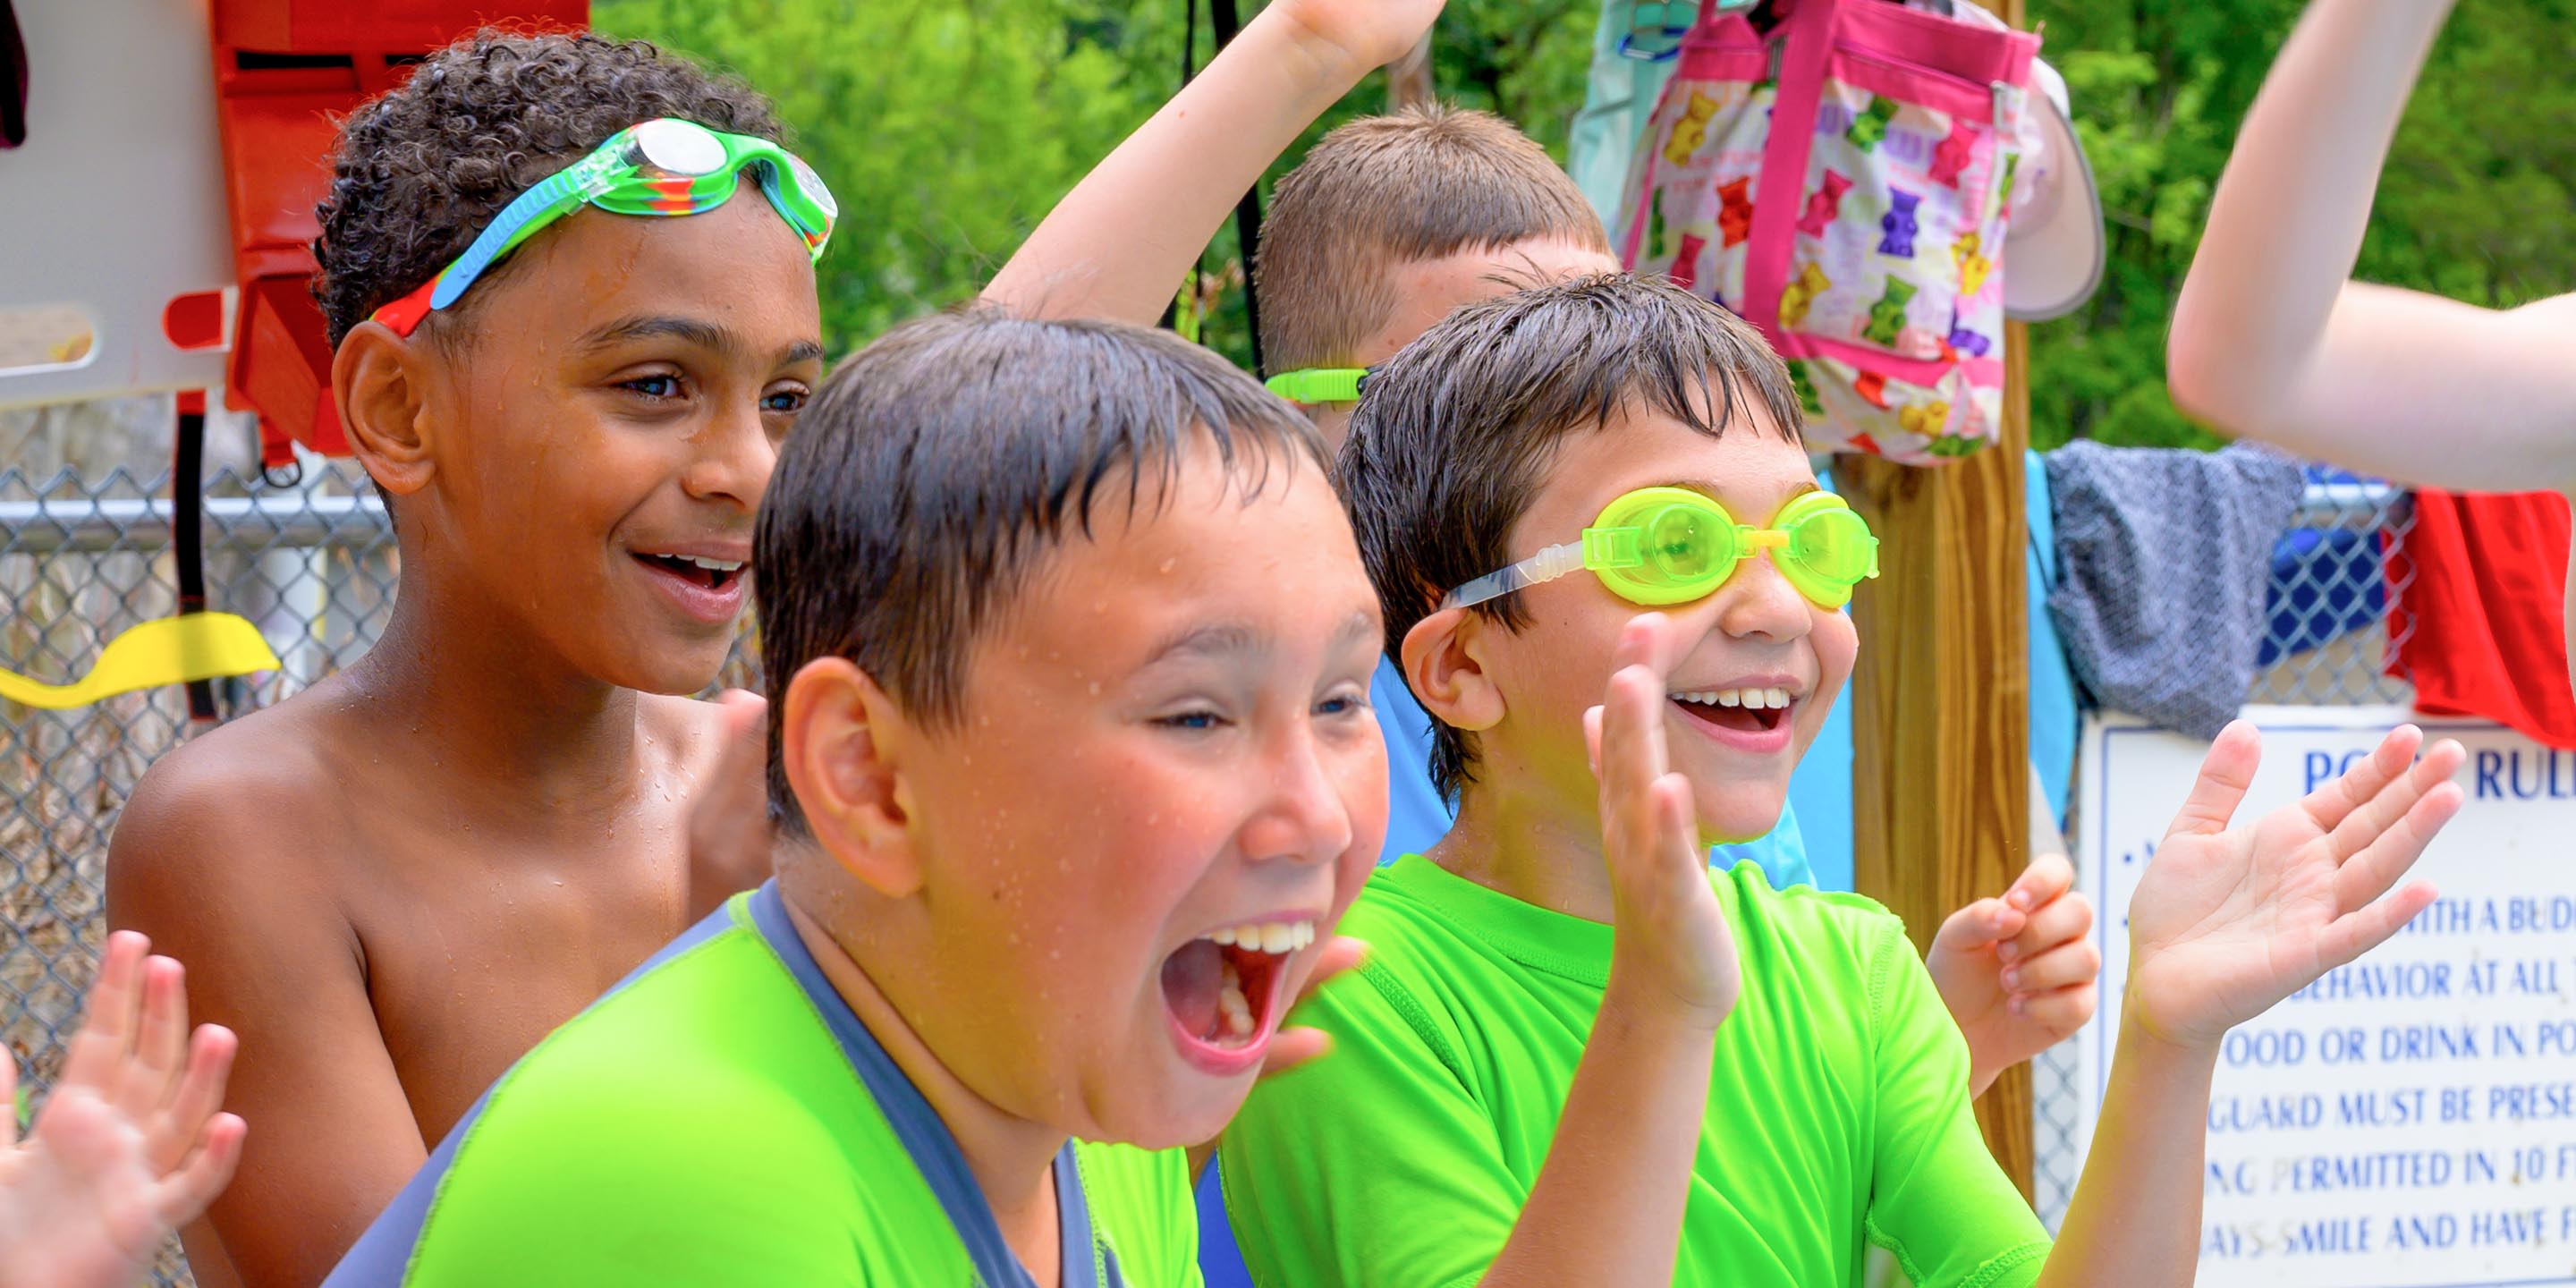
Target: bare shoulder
(245,807)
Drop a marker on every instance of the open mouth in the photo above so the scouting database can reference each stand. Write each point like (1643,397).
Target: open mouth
(709,574)
(1222,987)
(1753,710)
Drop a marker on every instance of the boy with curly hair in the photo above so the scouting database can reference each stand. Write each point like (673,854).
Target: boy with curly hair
(394,884)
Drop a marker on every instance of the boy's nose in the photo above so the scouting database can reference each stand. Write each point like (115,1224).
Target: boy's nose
(1302,817)
(731,459)
(1759,601)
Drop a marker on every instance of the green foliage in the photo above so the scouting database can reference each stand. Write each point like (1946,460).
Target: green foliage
(948,129)
(2478,200)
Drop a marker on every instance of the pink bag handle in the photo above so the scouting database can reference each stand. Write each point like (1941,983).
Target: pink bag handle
(1813,30)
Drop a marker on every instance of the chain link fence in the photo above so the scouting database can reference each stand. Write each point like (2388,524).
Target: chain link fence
(314,565)
(81,561)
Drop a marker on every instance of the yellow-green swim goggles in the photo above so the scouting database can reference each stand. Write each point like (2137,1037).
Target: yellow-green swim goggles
(1659,546)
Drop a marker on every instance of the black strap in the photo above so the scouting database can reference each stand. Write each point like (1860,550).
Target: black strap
(1247,212)
(188,537)
(13,79)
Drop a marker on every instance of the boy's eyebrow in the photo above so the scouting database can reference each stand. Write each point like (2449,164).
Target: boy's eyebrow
(696,331)
(1212,640)
(1220,638)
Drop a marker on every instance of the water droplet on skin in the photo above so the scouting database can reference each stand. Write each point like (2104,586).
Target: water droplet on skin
(1167,564)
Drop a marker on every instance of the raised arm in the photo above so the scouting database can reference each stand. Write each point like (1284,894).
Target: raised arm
(1607,1206)
(2272,340)
(207,865)
(2226,923)
(1117,245)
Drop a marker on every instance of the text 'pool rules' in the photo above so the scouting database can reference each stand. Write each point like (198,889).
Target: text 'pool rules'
(2409,1120)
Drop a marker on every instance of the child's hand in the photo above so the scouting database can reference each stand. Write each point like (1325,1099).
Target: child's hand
(1672,936)
(1372,32)
(2227,922)
(129,1147)
(1293,1046)
(729,812)
(2017,972)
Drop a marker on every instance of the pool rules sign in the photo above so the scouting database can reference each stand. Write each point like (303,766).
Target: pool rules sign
(2409,1121)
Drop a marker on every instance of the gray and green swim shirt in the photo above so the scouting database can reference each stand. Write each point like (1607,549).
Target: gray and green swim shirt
(721,1117)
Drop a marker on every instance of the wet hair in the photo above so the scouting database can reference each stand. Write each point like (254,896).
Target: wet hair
(421,169)
(1455,436)
(936,469)
(1384,191)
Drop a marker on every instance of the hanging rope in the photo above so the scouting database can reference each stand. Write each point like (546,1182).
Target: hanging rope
(1224,20)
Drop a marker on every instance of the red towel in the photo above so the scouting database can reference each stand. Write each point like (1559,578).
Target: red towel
(2477,607)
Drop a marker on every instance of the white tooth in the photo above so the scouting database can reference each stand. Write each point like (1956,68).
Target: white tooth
(1779,699)
(1729,697)
(1247,935)
(1223,937)
(1305,934)
(1275,937)
(1234,1007)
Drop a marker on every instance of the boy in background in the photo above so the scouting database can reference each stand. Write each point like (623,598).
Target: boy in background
(395,883)
(1072,773)
(1591,1057)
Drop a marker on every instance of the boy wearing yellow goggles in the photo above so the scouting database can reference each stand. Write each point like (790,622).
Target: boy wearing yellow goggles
(1659,546)
(1597,1060)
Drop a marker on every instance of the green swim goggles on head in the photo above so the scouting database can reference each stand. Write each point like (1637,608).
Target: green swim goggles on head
(1659,546)
(665,166)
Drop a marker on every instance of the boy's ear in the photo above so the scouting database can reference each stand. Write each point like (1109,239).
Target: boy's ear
(380,381)
(1444,664)
(841,738)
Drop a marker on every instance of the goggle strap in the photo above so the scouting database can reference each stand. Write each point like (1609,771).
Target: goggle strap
(1547,565)
(499,237)
(1318,384)
(1611,548)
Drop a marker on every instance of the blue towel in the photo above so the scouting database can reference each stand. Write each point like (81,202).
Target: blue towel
(2166,556)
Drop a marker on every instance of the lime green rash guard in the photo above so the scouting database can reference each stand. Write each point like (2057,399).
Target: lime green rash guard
(1838,1113)
(721,1117)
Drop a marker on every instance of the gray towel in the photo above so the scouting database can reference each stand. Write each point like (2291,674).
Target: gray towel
(2166,554)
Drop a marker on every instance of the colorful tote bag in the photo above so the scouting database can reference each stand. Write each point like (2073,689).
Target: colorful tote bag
(1841,181)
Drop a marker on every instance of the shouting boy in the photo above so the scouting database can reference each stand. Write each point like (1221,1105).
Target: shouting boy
(393,884)
(1596,1060)
(1072,774)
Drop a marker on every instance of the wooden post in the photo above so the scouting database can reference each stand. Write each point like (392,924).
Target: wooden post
(1941,695)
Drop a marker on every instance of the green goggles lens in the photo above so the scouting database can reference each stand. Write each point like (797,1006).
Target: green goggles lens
(1660,546)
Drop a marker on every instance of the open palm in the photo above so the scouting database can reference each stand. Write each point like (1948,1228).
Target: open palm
(130,1146)
(2228,921)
